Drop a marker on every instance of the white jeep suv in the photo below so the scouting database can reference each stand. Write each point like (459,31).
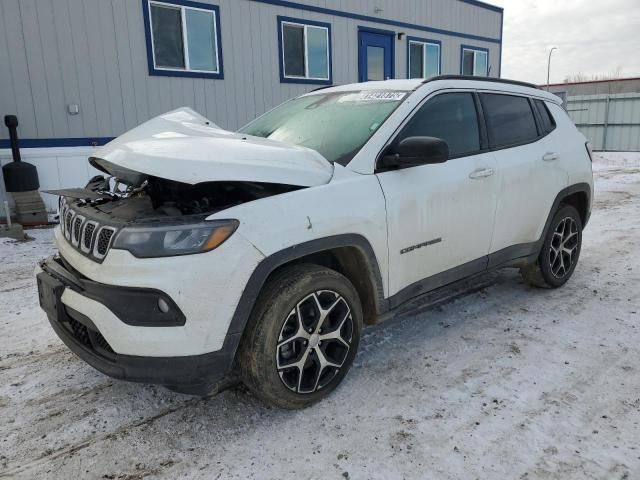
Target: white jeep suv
(207,256)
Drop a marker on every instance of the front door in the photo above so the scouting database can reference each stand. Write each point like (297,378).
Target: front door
(440,217)
(375,55)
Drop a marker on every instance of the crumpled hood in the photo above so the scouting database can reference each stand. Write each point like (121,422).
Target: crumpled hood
(184,146)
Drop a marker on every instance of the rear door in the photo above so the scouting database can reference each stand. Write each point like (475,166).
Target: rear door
(440,216)
(529,175)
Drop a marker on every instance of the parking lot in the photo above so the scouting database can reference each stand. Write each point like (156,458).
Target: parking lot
(506,382)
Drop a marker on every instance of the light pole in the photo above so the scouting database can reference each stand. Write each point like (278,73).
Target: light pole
(549,65)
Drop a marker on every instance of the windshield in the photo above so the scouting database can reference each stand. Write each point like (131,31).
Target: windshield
(336,125)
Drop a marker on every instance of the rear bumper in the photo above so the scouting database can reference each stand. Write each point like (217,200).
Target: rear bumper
(190,374)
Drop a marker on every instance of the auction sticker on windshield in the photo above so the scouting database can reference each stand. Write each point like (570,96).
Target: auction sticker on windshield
(373,96)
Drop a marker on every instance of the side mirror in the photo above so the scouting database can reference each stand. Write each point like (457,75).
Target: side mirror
(414,151)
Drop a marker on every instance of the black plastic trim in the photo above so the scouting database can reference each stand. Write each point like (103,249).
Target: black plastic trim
(269,264)
(133,306)
(481,79)
(482,125)
(438,280)
(536,118)
(506,256)
(189,371)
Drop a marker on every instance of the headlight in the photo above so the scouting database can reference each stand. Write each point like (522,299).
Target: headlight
(171,240)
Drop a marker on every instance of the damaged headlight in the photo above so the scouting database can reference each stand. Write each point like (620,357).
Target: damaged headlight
(170,240)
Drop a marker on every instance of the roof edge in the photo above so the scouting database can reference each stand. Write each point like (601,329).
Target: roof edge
(594,81)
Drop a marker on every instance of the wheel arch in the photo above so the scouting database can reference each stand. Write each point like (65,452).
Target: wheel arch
(578,196)
(349,254)
(580,200)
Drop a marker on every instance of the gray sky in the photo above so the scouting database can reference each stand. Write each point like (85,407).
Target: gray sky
(592,36)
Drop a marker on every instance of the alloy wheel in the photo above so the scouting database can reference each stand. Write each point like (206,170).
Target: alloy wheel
(314,341)
(563,248)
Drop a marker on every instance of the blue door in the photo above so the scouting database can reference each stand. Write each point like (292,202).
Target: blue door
(375,55)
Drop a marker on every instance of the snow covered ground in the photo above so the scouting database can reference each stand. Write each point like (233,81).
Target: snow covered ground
(507,382)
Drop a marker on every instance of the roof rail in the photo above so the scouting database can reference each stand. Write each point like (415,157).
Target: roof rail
(481,79)
(321,88)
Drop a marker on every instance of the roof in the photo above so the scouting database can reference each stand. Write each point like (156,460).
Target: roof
(447,81)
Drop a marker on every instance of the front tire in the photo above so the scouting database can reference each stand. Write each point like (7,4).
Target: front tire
(302,337)
(560,251)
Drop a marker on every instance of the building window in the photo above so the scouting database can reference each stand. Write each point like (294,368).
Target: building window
(474,61)
(423,57)
(305,51)
(183,39)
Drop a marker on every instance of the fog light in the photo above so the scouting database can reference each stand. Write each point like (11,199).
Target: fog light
(163,306)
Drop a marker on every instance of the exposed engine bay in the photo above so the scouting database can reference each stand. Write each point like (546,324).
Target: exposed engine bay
(157,199)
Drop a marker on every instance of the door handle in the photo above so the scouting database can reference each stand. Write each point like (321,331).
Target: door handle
(481,173)
(550,156)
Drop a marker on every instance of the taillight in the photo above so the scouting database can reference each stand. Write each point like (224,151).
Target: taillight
(589,151)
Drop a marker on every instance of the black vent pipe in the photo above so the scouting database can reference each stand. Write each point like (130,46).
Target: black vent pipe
(18,176)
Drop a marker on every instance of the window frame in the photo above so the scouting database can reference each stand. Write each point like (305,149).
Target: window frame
(424,42)
(485,139)
(182,5)
(475,50)
(282,20)
(539,127)
(537,105)
(482,129)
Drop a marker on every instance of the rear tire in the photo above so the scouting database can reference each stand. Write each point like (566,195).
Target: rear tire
(560,251)
(302,336)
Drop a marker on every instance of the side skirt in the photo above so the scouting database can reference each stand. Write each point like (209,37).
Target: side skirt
(461,279)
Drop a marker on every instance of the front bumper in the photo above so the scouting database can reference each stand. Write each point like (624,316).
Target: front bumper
(190,374)
(206,288)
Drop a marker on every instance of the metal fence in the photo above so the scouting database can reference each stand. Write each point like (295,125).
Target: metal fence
(610,122)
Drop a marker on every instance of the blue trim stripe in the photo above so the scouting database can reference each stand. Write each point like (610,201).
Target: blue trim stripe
(58,142)
(308,81)
(383,21)
(153,71)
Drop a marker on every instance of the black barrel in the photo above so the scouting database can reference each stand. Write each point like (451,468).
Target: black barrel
(18,176)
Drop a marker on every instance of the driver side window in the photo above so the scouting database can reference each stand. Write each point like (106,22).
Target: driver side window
(451,117)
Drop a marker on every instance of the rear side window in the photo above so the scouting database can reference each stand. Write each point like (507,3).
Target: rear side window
(546,119)
(510,120)
(451,117)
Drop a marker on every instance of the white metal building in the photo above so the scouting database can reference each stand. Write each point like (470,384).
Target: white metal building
(80,72)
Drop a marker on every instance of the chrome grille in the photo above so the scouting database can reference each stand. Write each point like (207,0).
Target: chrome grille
(62,216)
(88,236)
(103,241)
(77,230)
(68,217)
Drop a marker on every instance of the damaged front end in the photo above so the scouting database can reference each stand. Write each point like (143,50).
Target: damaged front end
(166,176)
(153,217)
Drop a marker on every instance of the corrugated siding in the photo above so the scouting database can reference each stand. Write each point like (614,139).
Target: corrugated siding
(610,122)
(93,53)
(623,85)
